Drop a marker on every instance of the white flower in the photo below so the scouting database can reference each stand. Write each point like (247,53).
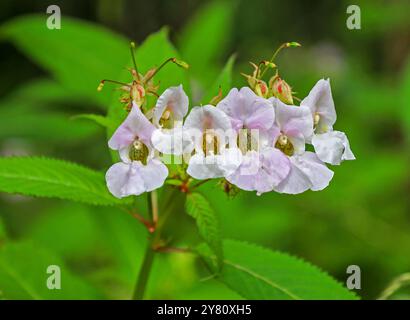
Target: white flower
(209,127)
(168,114)
(139,170)
(293,127)
(330,146)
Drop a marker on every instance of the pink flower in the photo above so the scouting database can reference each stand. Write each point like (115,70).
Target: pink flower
(139,170)
(331,146)
(263,167)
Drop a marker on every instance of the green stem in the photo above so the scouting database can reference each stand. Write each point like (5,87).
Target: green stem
(144,272)
(143,275)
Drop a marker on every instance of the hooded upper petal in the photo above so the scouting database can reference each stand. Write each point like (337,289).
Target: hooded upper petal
(175,100)
(320,101)
(307,172)
(247,110)
(332,147)
(135,125)
(261,172)
(125,179)
(293,120)
(207,117)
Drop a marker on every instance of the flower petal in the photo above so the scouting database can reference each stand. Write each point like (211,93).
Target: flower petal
(153,174)
(332,147)
(136,124)
(293,120)
(307,172)
(207,117)
(173,141)
(247,110)
(319,100)
(201,167)
(176,100)
(124,179)
(261,172)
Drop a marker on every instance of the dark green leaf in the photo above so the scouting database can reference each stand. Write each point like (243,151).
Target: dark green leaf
(52,178)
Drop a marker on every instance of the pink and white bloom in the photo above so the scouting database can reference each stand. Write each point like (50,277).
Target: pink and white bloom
(168,115)
(330,146)
(263,167)
(209,129)
(292,128)
(139,170)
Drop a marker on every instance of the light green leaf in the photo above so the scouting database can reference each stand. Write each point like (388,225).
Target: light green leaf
(23,275)
(224,81)
(44,177)
(79,55)
(97,118)
(198,207)
(206,37)
(25,122)
(259,273)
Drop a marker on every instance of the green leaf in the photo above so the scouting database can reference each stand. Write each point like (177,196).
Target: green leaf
(25,122)
(205,38)
(44,177)
(23,275)
(207,222)
(259,273)
(97,118)
(79,55)
(224,81)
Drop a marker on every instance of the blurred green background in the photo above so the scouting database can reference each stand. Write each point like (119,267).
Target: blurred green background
(362,218)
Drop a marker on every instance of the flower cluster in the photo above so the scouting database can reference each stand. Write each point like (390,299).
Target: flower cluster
(254,139)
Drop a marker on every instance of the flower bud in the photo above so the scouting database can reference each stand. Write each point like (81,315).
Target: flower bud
(137,93)
(261,88)
(281,90)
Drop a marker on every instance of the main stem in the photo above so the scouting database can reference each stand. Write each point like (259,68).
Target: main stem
(143,275)
(144,272)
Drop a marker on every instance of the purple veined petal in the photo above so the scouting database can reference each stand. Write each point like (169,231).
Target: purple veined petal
(135,125)
(332,147)
(247,110)
(176,100)
(320,101)
(124,179)
(293,120)
(272,168)
(207,117)
(153,174)
(175,141)
(307,172)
